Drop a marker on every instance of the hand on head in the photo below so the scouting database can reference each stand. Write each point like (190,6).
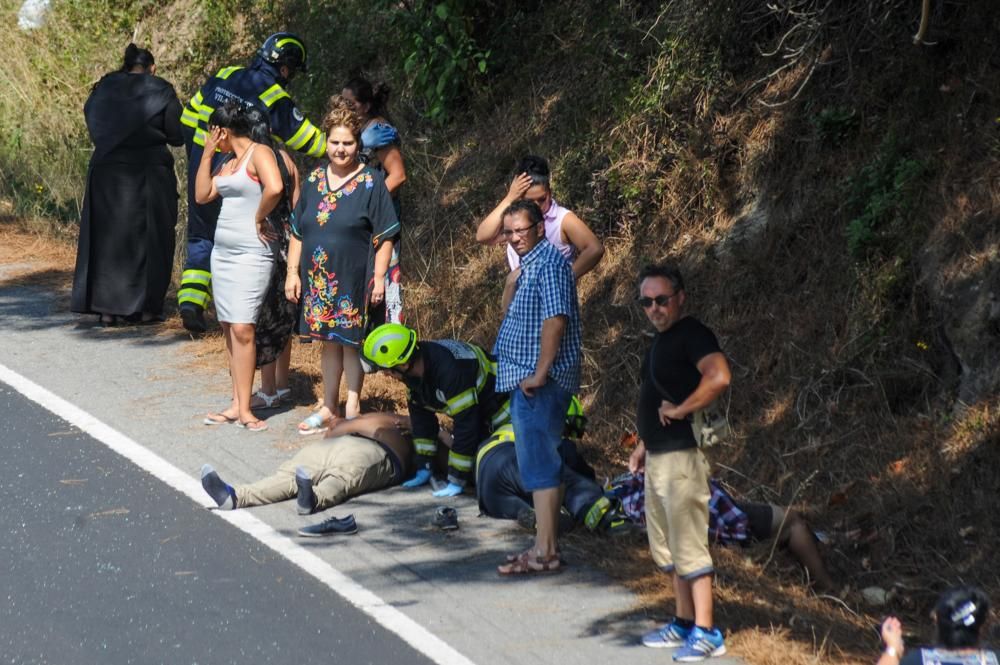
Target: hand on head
(518,186)
(892,633)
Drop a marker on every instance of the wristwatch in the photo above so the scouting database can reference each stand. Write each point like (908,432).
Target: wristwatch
(892,652)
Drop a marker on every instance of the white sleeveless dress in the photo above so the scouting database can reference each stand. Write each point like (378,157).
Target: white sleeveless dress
(241,262)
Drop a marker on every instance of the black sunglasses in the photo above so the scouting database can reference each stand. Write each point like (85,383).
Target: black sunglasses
(660,300)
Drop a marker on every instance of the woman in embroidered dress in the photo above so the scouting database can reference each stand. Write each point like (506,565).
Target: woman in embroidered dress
(380,150)
(343,232)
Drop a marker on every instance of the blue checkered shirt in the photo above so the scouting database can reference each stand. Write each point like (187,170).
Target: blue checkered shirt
(546,288)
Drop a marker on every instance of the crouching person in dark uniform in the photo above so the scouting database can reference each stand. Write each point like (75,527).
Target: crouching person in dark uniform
(502,495)
(443,376)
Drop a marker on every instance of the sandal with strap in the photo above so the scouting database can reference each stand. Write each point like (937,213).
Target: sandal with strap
(529,564)
(283,394)
(252,425)
(262,401)
(219,418)
(511,558)
(313,425)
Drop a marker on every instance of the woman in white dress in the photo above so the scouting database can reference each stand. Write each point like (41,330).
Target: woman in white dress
(243,256)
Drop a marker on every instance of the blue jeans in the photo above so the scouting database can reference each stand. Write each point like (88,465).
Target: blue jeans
(538,425)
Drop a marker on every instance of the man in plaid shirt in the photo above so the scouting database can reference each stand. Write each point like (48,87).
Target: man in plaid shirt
(538,358)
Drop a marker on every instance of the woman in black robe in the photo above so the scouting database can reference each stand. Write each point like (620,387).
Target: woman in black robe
(126,251)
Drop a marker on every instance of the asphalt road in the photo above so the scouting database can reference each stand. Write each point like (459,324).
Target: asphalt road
(104,563)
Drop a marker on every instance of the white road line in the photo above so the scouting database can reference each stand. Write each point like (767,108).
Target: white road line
(388,616)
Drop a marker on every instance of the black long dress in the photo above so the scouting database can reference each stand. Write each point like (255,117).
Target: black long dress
(126,249)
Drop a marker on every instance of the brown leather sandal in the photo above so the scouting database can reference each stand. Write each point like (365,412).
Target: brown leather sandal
(529,564)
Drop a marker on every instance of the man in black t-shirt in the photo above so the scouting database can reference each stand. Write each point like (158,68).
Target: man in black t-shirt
(684,371)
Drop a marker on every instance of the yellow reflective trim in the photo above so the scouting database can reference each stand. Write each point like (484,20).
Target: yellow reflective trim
(425,446)
(188,118)
(291,40)
(200,136)
(272,94)
(196,296)
(318,146)
(460,462)
(300,137)
(501,417)
(460,402)
(503,435)
(193,276)
(226,72)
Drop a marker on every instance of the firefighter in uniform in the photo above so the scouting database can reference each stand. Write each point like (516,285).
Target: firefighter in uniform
(502,495)
(262,85)
(443,376)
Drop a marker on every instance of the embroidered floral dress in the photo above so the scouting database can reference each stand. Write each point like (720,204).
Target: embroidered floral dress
(340,232)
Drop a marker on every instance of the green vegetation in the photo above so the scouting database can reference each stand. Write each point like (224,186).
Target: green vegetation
(884,196)
(439,53)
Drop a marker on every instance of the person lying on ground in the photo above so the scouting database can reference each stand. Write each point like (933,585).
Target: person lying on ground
(959,615)
(732,522)
(567,232)
(365,454)
(502,495)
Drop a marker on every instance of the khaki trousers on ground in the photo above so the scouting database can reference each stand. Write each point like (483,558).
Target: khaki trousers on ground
(342,467)
(677,496)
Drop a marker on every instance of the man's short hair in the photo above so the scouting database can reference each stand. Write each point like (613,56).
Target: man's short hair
(529,208)
(665,271)
(536,167)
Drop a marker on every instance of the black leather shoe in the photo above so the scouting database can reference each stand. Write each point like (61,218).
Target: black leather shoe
(331,527)
(193,320)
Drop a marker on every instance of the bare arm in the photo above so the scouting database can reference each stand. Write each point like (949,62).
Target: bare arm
(488,231)
(509,288)
(637,460)
(552,333)
(892,636)
(715,378)
(265,168)
(395,171)
(293,283)
(382,258)
(204,185)
(589,248)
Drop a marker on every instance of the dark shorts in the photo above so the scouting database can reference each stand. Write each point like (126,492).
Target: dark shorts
(761,518)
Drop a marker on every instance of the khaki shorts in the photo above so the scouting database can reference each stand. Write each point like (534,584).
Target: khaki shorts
(677,496)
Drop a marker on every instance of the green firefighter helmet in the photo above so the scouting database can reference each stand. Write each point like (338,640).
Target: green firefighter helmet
(576,422)
(389,345)
(284,48)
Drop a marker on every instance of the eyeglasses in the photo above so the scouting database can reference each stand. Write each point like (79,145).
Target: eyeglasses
(660,300)
(520,233)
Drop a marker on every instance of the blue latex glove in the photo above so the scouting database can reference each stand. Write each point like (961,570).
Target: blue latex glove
(451,490)
(422,477)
